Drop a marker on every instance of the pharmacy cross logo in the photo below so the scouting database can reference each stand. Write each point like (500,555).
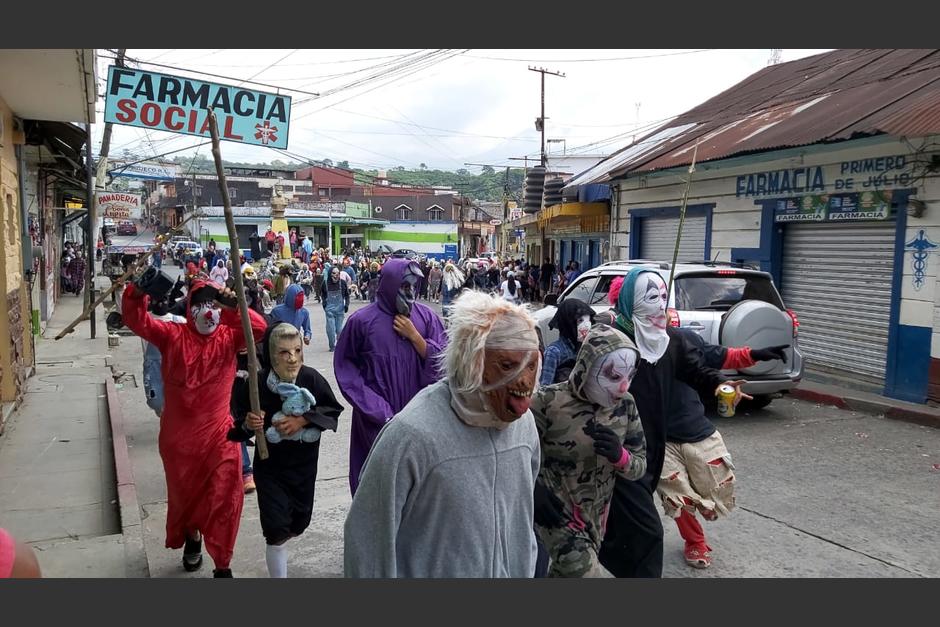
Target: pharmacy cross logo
(920,247)
(266,132)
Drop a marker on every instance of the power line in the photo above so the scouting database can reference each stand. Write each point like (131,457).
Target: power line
(222,76)
(649,56)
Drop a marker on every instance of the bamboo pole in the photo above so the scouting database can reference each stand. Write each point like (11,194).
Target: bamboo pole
(260,442)
(685,202)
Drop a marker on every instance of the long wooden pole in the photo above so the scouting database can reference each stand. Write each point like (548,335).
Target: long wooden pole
(119,282)
(685,202)
(260,442)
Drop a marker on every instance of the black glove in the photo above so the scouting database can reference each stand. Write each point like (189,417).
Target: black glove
(607,444)
(767,354)
(548,507)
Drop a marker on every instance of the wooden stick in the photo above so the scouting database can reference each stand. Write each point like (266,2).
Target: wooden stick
(119,282)
(260,442)
(685,202)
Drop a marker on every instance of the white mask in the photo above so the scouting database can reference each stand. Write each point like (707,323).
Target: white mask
(609,378)
(205,317)
(649,316)
(584,325)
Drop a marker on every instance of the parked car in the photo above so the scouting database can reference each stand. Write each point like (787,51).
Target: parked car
(126,227)
(186,250)
(726,304)
(405,253)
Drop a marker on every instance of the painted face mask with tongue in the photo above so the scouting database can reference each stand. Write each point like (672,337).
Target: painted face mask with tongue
(641,309)
(584,325)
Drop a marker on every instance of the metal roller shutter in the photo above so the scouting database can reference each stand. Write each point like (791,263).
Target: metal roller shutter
(658,239)
(837,278)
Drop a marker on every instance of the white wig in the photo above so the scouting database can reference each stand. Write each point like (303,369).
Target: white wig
(479,321)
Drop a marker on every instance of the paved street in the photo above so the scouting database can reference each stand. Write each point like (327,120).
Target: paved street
(822,492)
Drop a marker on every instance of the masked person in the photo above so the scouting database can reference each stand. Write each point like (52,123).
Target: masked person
(203,468)
(292,310)
(573,319)
(286,479)
(335,298)
(590,434)
(633,543)
(698,474)
(447,489)
(385,356)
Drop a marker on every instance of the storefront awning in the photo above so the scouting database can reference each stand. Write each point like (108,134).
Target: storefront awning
(573,209)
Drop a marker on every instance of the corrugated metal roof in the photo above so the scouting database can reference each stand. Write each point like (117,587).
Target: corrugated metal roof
(835,96)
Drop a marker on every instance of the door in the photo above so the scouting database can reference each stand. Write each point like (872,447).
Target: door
(837,278)
(658,238)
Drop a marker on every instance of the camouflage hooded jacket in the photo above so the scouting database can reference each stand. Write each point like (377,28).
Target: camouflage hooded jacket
(570,468)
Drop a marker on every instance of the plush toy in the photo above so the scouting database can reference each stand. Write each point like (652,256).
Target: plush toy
(297,402)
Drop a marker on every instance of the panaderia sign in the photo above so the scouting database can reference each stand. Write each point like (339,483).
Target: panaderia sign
(181,105)
(118,205)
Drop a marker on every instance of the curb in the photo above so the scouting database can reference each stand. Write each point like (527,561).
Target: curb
(131,526)
(876,407)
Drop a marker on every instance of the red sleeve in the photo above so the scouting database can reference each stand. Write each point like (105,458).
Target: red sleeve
(231,318)
(136,318)
(738,358)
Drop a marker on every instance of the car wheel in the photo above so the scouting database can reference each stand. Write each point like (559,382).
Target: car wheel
(760,401)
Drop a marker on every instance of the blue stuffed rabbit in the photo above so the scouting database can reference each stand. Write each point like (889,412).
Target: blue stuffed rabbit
(297,402)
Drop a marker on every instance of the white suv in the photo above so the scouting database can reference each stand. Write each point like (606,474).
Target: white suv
(727,304)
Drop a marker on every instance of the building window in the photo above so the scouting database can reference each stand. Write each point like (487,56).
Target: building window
(402,212)
(231,192)
(378,209)
(435,213)
(199,191)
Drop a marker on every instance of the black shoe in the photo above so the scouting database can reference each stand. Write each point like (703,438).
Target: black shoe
(192,555)
(222,573)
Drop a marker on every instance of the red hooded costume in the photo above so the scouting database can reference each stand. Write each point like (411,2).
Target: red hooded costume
(203,469)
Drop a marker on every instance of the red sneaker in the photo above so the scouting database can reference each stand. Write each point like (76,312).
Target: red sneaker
(698,555)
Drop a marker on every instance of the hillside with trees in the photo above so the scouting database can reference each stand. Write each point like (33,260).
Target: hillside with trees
(486,186)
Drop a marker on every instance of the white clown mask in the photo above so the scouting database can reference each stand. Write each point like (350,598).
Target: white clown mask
(206,317)
(609,377)
(584,326)
(649,315)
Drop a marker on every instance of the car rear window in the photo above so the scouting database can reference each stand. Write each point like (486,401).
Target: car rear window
(721,292)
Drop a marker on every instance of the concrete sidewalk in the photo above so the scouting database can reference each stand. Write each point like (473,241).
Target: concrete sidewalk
(867,402)
(58,482)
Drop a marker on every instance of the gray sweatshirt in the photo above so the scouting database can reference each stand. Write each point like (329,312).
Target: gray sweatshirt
(439,498)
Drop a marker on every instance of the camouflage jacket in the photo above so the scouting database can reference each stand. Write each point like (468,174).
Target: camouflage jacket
(570,468)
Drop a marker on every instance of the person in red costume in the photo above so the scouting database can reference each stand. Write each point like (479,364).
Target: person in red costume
(203,468)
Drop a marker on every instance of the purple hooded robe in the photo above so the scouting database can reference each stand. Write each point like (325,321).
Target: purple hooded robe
(379,371)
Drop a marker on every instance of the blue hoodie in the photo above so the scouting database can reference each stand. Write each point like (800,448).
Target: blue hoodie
(292,310)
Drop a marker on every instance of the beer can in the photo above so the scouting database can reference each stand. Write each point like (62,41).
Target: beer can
(726,395)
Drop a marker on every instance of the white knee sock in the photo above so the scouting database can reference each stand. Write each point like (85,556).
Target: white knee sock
(276,558)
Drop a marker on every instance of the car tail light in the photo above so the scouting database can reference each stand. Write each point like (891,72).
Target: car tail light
(673,316)
(796,321)
(727,272)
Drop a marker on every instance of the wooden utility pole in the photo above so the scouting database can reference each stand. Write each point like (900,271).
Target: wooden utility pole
(260,442)
(540,122)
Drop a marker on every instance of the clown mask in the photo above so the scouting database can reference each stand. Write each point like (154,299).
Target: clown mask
(206,317)
(584,325)
(649,301)
(609,377)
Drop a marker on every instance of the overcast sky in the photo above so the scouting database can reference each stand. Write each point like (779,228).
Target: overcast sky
(450,108)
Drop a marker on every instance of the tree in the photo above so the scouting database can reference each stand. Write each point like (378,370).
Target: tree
(423,166)
(343,164)
(488,170)
(328,163)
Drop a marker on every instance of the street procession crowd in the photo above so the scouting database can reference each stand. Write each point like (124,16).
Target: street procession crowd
(474,451)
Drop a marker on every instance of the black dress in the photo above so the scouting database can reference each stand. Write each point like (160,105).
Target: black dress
(633,543)
(287,478)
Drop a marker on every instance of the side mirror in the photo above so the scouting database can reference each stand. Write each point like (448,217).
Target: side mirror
(551,300)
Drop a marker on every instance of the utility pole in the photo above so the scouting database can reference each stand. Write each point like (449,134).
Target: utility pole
(540,122)
(106,138)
